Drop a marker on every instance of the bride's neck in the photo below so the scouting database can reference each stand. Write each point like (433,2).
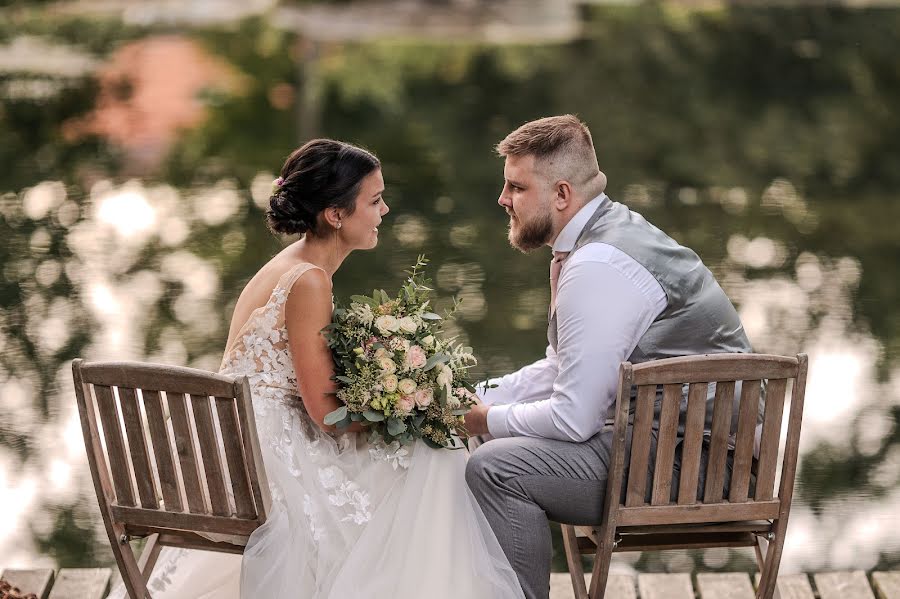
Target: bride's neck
(325,252)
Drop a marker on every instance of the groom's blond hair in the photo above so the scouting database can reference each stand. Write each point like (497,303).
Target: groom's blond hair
(561,145)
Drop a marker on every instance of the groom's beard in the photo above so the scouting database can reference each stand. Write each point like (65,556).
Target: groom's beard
(527,236)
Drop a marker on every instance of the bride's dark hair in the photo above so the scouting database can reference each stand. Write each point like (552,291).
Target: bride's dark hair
(321,174)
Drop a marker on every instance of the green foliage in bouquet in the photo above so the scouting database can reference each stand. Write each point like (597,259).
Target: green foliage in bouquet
(397,374)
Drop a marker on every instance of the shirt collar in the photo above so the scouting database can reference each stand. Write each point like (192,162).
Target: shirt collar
(565,241)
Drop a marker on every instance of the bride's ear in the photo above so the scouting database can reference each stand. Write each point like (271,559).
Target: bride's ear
(332,217)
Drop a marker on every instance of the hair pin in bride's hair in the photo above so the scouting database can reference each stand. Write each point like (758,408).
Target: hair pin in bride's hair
(277,183)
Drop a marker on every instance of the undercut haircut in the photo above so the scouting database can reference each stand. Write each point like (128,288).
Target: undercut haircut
(561,145)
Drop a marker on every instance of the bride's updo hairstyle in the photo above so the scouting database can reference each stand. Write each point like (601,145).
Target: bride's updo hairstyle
(321,174)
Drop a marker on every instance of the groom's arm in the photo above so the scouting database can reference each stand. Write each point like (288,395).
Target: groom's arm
(605,303)
(530,383)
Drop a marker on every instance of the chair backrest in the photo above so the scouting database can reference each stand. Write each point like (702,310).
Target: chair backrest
(188,461)
(756,372)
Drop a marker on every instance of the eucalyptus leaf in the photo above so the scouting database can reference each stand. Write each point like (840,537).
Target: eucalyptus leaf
(435,360)
(432,316)
(364,299)
(395,426)
(373,416)
(336,416)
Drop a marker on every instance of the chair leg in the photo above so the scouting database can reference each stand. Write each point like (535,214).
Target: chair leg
(132,577)
(761,548)
(769,571)
(573,559)
(602,560)
(148,556)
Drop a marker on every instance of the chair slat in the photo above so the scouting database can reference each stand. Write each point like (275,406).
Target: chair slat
(258,480)
(162,450)
(771,435)
(139,519)
(234,454)
(722,367)
(140,456)
(158,377)
(115,445)
(718,444)
(665,445)
(638,470)
(187,457)
(646,515)
(212,464)
(692,444)
(743,447)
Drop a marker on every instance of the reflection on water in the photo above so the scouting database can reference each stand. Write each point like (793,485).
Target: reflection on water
(131,216)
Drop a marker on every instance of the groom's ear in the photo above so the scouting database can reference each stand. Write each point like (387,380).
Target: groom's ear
(564,194)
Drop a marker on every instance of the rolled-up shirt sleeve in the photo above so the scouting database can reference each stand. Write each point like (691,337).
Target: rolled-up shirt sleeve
(602,312)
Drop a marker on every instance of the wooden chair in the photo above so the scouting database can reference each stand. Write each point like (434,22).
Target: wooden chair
(189,436)
(716,520)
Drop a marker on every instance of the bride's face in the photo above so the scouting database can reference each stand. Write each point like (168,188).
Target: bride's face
(360,229)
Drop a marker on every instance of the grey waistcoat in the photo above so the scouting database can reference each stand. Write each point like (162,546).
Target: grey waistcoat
(698,317)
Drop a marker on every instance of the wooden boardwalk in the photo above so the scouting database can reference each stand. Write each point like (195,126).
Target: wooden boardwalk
(93,583)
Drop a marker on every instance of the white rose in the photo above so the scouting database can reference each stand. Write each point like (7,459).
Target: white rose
(408,325)
(445,376)
(380,353)
(387,365)
(428,341)
(389,383)
(407,386)
(386,324)
(453,402)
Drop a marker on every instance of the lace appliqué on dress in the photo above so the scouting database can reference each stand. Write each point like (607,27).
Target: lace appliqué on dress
(347,494)
(394,453)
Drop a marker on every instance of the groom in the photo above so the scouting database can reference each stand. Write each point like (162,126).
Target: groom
(620,289)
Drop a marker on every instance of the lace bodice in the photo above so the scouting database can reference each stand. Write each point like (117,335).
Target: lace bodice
(260,350)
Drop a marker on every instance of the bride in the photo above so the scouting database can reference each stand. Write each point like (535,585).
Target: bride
(348,519)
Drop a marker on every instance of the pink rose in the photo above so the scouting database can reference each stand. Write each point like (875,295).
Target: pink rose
(415,357)
(424,397)
(406,403)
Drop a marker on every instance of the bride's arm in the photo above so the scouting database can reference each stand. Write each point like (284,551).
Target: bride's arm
(307,312)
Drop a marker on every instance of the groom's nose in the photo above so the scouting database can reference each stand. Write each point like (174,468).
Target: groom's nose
(503,200)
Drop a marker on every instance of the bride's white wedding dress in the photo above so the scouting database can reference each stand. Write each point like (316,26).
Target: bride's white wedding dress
(348,519)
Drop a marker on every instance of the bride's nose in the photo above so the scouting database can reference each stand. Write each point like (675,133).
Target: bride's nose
(385,208)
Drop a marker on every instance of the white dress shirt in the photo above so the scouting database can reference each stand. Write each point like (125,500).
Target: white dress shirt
(605,303)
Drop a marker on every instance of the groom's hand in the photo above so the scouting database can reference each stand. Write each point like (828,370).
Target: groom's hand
(476,420)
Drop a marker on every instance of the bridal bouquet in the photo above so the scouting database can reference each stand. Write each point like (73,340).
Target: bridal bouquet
(397,374)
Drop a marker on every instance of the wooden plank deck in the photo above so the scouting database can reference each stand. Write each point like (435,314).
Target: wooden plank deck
(94,583)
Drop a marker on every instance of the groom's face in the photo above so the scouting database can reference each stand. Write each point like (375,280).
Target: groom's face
(526,197)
